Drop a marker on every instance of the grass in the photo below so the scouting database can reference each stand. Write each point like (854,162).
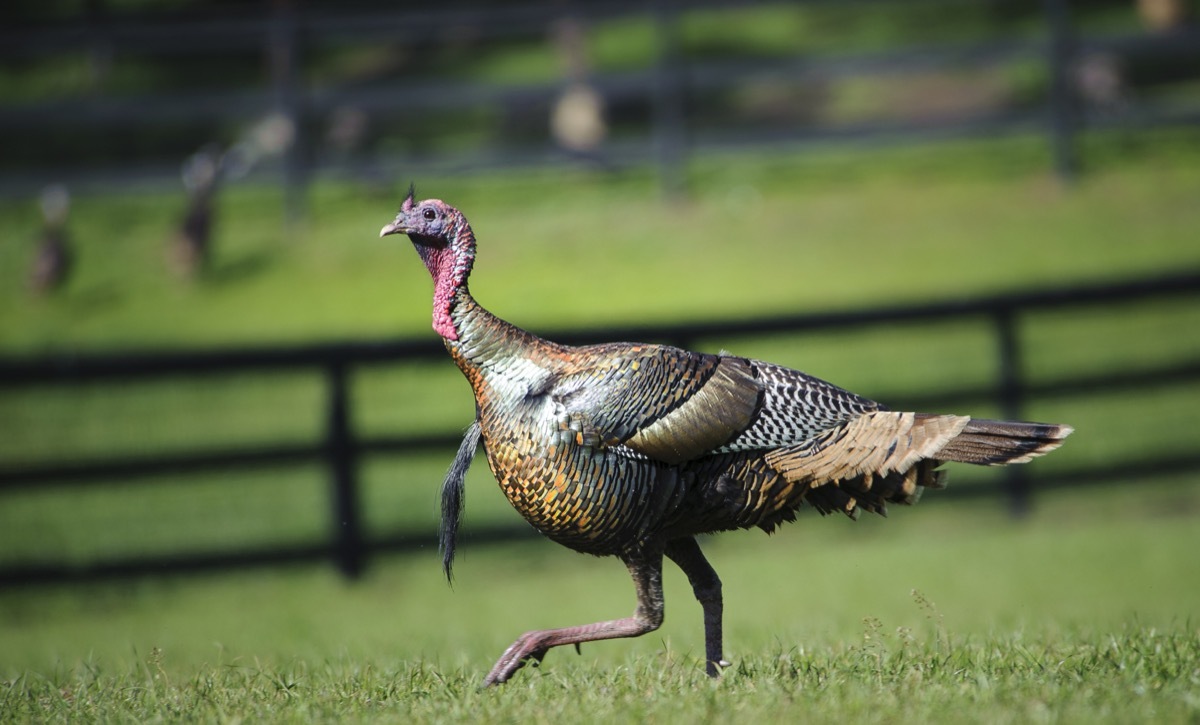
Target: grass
(1083,613)
(1121,678)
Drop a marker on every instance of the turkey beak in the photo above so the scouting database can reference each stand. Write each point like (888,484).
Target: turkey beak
(396,227)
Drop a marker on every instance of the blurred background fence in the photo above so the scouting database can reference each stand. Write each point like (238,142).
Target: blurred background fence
(341,449)
(329,90)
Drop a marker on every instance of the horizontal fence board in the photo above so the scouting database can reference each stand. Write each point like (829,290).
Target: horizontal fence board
(292,34)
(142,467)
(87,367)
(426,541)
(341,450)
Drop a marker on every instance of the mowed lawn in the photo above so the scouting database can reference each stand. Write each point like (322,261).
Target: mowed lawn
(1086,611)
(950,611)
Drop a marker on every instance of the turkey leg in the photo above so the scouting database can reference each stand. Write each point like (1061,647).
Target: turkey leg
(646,570)
(707,587)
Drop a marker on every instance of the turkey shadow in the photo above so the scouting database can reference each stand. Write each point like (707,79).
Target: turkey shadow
(240,268)
(94,298)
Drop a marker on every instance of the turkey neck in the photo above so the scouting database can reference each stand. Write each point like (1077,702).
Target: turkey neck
(498,358)
(503,363)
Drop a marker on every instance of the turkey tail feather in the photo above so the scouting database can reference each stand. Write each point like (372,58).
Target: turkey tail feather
(452,498)
(998,442)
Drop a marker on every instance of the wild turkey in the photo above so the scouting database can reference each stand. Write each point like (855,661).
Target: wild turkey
(53,259)
(191,246)
(632,450)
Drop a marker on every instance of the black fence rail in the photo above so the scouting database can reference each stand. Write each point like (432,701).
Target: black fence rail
(341,449)
(288,35)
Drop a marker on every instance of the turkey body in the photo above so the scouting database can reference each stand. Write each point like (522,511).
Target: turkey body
(631,450)
(604,448)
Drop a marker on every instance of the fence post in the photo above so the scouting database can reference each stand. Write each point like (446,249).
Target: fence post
(283,51)
(668,101)
(1009,393)
(342,456)
(1062,107)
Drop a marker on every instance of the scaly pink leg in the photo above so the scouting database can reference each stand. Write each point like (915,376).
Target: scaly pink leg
(646,570)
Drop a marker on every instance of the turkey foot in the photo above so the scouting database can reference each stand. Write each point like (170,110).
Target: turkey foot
(529,646)
(646,570)
(534,645)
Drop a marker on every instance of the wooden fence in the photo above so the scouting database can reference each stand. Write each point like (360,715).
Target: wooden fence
(342,449)
(286,35)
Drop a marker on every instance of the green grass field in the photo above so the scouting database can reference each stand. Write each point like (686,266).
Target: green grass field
(1086,611)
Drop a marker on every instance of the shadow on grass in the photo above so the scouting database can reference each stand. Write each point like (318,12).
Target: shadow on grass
(95,298)
(239,268)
